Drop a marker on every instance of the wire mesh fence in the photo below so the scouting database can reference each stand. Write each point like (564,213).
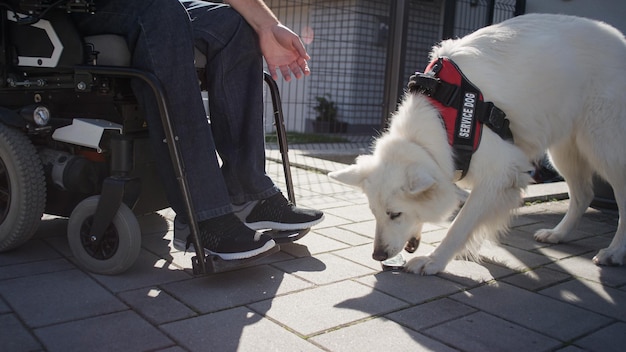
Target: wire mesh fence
(349,42)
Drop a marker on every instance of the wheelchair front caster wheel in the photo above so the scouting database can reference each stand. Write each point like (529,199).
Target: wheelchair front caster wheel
(118,249)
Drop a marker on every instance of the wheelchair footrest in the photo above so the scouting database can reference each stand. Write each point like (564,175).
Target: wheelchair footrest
(215,264)
(287,236)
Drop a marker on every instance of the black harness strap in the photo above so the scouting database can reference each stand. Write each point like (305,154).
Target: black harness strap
(462,109)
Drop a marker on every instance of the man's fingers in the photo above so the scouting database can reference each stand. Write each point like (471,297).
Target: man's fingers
(295,68)
(286,73)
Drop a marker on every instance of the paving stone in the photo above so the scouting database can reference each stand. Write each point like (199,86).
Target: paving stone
(610,339)
(323,269)
(512,258)
(14,336)
(173,349)
(546,191)
(364,228)
(542,314)
(433,237)
(597,227)
(430,314)
(312,311)
(471,274)
(148,270)
(320,186)
(576,234)
(3,306)
(51,226)
(538,221)
(34,268)
(331,220)
(280,256)
(151,224)
(360,254)
(59,243)
(410,287)
(583,267)
(31,251)
(522,240)
(312,243)
(573,248)
(344,236)
(571,349)
(483,332)
(123,331)
(237,329)
(58,297)
(323,202)
(429,227)
(156,305)
(537,279)
(354,213)
(389,337)
(520,219)
(232,289)
(159,244)
(589,295)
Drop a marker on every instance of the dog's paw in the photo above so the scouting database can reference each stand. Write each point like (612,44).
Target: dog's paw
(423,266)
(548,236)
(609,257)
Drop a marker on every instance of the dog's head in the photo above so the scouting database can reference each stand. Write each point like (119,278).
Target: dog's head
(405,188)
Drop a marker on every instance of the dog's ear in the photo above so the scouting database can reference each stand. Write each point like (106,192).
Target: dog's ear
(418,181)
(351,175)
(355,174)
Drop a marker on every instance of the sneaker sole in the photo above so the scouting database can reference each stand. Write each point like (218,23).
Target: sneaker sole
(244,255)
(279,226)
(281,237)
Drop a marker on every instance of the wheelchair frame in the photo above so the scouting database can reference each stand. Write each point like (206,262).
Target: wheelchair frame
(71,81)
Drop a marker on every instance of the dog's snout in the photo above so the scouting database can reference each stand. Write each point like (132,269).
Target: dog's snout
(380,255)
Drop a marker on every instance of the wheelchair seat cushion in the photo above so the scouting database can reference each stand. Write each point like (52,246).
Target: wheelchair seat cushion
(113,51)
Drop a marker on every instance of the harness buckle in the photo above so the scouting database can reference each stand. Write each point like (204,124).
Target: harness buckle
(496,116)
(423,83)
(497,121)
(431,86)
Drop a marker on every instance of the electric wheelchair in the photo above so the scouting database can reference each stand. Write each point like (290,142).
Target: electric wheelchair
(74,143)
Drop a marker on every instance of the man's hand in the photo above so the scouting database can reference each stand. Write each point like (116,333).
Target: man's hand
(283,50)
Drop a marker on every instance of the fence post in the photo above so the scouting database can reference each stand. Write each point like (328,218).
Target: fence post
(396,48)
(449,16)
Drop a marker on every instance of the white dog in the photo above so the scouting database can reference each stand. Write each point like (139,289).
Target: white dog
(560,80)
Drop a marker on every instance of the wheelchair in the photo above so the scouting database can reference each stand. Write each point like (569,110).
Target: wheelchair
(74,143)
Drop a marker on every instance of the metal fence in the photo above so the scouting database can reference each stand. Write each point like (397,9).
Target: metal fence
(349,42)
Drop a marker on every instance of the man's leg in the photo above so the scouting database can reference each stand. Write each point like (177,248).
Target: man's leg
(234,75)
(235,84)
(160,38)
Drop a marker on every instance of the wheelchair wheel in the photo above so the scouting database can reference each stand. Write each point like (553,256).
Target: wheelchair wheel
(119,247)
(22,188)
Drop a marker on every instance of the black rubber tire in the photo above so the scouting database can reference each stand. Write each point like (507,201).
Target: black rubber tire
(119,248)
(22,188)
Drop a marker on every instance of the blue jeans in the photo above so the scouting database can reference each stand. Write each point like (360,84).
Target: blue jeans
(161,36)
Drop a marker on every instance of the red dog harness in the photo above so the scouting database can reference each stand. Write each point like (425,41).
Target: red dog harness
(461,107)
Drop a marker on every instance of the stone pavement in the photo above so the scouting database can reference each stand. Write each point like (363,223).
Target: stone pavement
(324,292)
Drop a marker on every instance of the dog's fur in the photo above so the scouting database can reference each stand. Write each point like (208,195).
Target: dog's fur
(561,82)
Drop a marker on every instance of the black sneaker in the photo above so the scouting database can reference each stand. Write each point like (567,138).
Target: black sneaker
(181,240)
(227,237)
(277,213)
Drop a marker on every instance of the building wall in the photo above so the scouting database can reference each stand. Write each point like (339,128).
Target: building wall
(612,12)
